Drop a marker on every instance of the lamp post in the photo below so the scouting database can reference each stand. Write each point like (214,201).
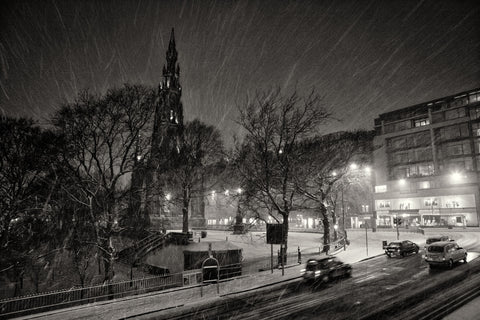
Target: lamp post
(343,225)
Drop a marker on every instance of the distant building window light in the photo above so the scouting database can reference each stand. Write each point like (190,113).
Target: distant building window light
(381,189)
(422,122)
(424,185)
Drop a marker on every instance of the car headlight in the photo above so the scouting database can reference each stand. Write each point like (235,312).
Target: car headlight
(302,271)
(318,272)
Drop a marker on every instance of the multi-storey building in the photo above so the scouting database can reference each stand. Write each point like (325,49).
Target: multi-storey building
(427,163)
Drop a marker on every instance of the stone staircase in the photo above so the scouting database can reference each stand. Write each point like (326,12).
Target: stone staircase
(133,255)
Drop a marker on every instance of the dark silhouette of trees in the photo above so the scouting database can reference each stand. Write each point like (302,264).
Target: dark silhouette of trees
(103,137)
(27,186)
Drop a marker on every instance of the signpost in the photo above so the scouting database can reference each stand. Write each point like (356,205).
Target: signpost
(366,235)
(276,235)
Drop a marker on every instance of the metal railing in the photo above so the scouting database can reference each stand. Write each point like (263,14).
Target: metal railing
(76,296)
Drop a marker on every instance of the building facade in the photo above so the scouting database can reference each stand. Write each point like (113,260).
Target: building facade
(427,163)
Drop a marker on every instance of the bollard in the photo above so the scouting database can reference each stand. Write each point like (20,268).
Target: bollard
(299,256)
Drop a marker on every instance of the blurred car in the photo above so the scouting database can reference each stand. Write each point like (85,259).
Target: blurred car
(445,253)
(434,239)
(325,269)
(401,248)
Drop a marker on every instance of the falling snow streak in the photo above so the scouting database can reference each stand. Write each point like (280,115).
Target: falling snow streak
(364,57)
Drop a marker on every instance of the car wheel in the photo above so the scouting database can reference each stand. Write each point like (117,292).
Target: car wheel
(348,274)
(403,254)
(450,264)
(465,258)
(388,255)
(325,278)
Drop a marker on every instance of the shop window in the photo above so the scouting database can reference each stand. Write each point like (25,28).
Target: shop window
(405,206)
(430,202)
(452,204)
(459,219)
(384,204)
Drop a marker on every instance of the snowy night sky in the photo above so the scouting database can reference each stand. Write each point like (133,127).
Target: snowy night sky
(364,57)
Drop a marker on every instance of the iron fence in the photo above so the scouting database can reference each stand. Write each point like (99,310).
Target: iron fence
(76,296)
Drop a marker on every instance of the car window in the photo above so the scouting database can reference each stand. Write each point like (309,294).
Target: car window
(435,249)
(311,265)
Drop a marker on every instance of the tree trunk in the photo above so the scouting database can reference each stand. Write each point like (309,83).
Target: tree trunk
(285,235)
(334,221)
(326,229)
(186,203)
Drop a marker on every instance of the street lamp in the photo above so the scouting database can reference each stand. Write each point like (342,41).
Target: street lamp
(456,177)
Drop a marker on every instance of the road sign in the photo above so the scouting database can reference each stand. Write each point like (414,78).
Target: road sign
(275,234)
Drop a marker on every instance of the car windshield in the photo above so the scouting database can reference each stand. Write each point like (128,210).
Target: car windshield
(435,249)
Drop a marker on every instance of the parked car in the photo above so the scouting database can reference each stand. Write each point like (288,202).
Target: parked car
(401,248)
(325,269)
(445,253)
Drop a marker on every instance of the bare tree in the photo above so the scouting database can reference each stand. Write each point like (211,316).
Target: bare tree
(268,157)
(26,159)
(201,153)
(103,136)
(327,159)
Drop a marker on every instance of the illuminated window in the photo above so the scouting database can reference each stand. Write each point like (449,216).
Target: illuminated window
(421,122)
(384,204)
(424,185)
(380,189)
(430,202)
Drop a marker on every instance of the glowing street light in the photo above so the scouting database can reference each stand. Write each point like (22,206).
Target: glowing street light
(168,196)
(402,182)
(353,166)
(456,177)
(239,190)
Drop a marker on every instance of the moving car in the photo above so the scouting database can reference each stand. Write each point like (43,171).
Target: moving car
(445,253)
(401,248)
(325,269)
(434,239)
